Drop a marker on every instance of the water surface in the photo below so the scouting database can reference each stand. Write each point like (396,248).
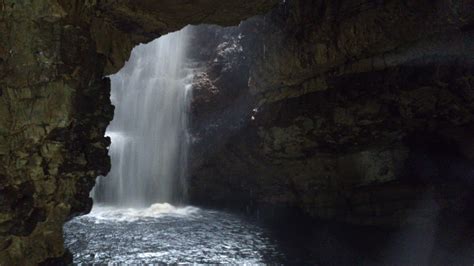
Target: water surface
(165,234)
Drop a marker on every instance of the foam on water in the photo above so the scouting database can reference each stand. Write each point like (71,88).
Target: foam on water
(112,213)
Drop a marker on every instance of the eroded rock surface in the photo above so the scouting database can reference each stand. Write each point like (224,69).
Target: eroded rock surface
(55,105)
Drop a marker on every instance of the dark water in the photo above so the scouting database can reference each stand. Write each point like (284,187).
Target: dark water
(165,234)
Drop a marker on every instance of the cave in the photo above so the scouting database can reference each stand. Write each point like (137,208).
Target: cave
(294,132)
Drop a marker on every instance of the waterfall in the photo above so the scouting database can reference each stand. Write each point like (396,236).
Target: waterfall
(149,129)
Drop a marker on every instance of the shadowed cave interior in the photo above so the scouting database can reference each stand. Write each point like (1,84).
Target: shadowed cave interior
(289,132)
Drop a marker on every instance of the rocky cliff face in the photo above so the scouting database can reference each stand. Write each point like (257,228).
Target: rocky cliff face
(356,111)
(55,105)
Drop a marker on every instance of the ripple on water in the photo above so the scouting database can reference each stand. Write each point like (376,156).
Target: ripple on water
(166,234)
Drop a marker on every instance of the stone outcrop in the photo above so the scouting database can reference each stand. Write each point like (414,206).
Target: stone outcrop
(356,111)
(55,105)
(220,95)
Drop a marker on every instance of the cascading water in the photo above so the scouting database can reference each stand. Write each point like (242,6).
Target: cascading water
(148,132)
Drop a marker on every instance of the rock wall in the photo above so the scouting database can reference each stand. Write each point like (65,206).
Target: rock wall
(55,107)
(356,111)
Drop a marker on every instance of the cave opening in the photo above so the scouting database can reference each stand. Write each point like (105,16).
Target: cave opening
(186,96)
(316,133)
(224,150)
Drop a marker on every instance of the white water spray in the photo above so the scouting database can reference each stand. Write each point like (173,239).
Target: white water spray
(149,129)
